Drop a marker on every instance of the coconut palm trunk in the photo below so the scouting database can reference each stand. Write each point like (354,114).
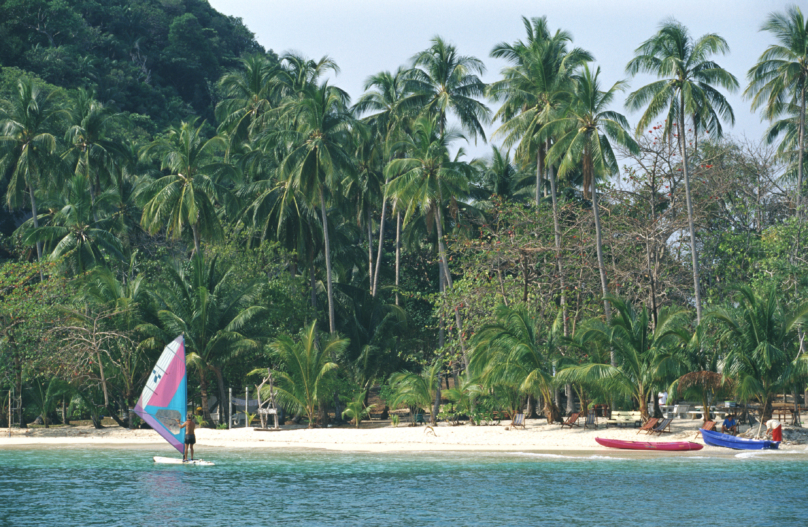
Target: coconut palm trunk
(599,241)
(331,328)
(557,236)
(195,230)
(539,172)
(35,218)
(693,254)
(800,153)
(370,251)
(203,392)
(398,252)
(381,242)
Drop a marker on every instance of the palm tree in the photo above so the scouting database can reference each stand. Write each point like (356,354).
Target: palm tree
(417,391)
(390,98)
(320,157)
(356,409)
(427,176)
(219,314)
(780,77)
(45,394)
(443,80)
(514,351)
(92,150)
(298,73)
(250,92)
(74,236)
(759,336)
(187,194)
(307,365)
(584,133)
(535,86)
(28,145)
(643,356)
(686,88)
(501,177)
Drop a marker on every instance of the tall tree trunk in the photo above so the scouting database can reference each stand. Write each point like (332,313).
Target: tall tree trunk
(539,172)
(381,242)
(570,399)
(693,254)
(370,253)
(557,236)
(800,153)
(35,218)
(398,251)
(65,418)
(108,407)
(224,417)
(436,405)
(599,246)
(441,250)
(331,327)
(90,182)
(448,285)
(203,392)
(195,230)
(311,278)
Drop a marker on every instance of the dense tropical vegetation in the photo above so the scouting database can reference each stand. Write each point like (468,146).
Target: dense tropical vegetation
(181,179)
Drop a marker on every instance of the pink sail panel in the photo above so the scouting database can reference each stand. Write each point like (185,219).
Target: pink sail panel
(163,403)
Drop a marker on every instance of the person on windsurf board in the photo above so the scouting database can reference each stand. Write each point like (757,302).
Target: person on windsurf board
(190,439)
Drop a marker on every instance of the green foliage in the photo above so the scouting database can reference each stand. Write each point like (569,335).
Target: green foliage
(150,58)
(307,365)
(356,410)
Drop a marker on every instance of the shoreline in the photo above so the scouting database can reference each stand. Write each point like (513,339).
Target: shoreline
(538,437)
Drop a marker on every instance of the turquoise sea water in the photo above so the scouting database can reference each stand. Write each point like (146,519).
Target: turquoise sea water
(120,486)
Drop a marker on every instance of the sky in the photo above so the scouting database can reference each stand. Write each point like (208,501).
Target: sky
(366,37)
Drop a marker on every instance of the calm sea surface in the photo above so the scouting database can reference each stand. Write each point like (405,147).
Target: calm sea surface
(119,486)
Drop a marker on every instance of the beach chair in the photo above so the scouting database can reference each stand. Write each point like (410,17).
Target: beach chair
(663,426)
(571,420)
(649,425)
(709,426)
(518,421)
(591,420)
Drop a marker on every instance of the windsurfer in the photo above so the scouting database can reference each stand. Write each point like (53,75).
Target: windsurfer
(190,439)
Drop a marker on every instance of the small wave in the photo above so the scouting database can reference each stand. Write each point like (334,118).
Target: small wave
(534,454)
(755,453)
(560,456)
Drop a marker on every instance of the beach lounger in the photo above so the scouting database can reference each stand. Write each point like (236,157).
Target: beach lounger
(662,426)
(709,426)
(518,421)
(649,425)
(571,420)
(591,420)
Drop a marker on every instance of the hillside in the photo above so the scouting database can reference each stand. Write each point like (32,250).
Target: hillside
(154,57)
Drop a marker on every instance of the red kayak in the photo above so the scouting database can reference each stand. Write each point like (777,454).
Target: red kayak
(644,445)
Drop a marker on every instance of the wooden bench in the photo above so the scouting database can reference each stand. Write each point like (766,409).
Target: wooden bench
(625,418)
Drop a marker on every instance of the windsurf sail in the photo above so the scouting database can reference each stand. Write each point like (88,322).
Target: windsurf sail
(163,402)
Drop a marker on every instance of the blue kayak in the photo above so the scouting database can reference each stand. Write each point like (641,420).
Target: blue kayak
(738,443)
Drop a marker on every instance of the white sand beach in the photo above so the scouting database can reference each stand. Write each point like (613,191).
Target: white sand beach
(537,436)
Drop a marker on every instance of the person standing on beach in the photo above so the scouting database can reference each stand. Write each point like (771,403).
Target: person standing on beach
(774,429)
(190,439)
